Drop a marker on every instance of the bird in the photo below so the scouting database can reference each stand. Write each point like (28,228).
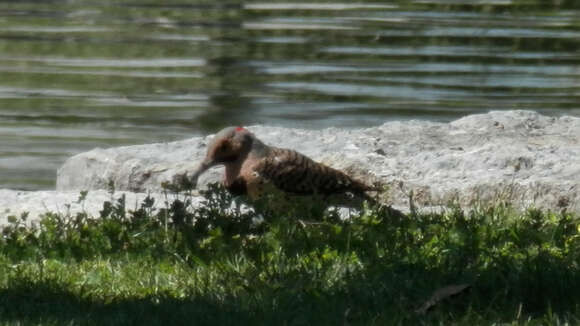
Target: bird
(255,170)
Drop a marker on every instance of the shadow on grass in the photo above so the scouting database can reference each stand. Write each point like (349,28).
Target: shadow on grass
(378,295)
(45,304)
(375,269)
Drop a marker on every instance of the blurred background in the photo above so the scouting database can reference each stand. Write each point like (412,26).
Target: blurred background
(80,74)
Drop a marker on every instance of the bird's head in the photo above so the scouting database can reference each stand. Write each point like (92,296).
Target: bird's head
(228,146)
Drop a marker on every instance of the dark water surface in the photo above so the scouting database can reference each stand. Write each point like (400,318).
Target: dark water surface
(75,75)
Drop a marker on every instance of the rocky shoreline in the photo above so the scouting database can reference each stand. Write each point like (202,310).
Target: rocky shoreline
(521,157)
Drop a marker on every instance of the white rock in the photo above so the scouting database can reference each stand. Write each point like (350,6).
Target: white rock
(67,203)
(517,156)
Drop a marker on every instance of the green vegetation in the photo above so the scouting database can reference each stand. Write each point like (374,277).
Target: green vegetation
(217,265)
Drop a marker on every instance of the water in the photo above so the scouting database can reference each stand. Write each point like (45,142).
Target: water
(75,75)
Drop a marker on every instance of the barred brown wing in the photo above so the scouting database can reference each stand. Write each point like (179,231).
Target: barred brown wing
(295,173)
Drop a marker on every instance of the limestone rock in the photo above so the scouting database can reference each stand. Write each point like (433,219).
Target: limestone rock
(67,203)
(518,156)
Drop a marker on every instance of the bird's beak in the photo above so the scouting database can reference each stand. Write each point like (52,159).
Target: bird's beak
(189,181)
(203,166)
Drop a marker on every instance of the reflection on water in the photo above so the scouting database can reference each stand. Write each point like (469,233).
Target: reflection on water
(81,74)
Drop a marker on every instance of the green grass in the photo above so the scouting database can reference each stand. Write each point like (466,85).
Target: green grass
(214,266)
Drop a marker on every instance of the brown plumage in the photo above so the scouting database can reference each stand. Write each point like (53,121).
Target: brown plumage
(295,173)
(255,169)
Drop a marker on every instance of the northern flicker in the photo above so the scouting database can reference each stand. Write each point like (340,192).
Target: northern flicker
(252,168)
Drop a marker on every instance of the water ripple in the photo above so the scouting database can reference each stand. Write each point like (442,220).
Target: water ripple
(81,74)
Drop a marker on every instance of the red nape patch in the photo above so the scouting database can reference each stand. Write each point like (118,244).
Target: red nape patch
(240,129)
